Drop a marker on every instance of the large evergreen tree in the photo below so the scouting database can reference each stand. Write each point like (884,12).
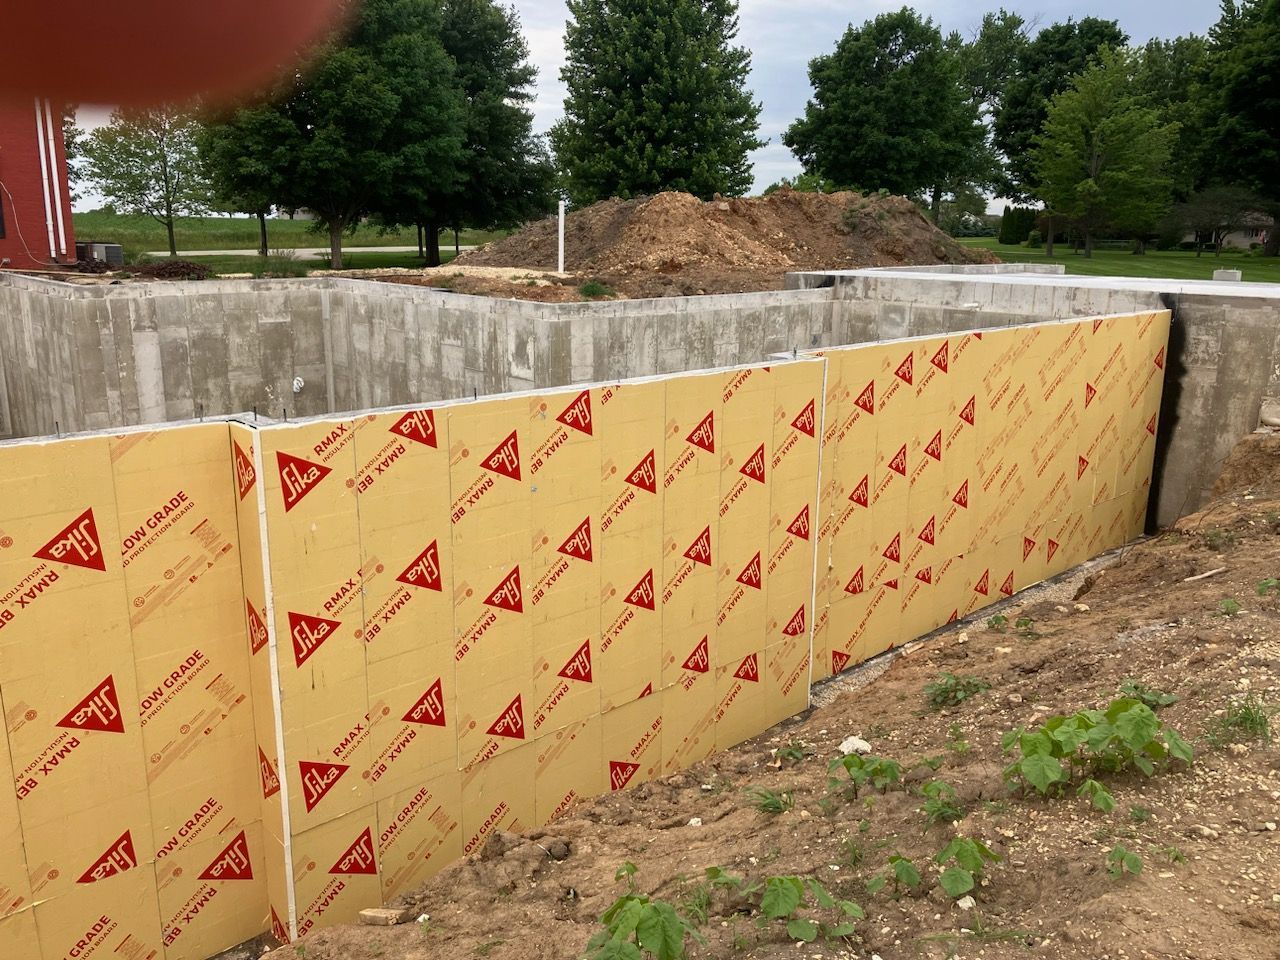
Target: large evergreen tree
(657,100)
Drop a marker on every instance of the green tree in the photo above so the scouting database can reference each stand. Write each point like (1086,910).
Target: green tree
(890,110)
(1170,76)
(73,137)
(1044,68)
(1102,160)
(657,100)
(145,162)
(990,60)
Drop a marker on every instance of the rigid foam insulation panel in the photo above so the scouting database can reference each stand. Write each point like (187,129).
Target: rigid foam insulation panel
(258,677)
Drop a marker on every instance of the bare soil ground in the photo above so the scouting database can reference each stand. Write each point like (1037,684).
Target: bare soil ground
(1210,884)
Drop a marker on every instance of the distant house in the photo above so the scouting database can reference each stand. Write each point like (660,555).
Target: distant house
(35,204)
(1257,227)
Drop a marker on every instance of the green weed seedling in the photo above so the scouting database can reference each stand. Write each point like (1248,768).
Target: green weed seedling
(767,801)
(1268,586)
(1098,795)
(594,290)
(1121,860)
(941,804)
(627,872)
(1228,607)
(793,752)
(997,622)
(862,770)
(782,898)
(968,859)
(635,927)
(1174,854)
(1026,627)
(930,763)
(1153,698)
(1246,718)
(957,743)
(851,848)
(950,690)
(1139,814)
(1217,539)
(899,871)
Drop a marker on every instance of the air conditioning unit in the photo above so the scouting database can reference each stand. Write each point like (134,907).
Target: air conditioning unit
(112,254)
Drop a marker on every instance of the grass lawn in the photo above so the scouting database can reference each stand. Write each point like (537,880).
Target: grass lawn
(1174,264)
(139,234)
(350,261)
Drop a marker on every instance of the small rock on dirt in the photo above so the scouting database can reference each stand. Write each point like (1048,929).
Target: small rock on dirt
(854,745)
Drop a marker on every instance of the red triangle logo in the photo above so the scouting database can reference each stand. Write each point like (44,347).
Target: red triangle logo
(620,773)
(961,499)
(704,434)
(925,574)
(800,525)
(1028,545)
(1160,359)
(795,626)
(891,584)
(579,542)
(358,859)
(967,413)
(99,711)
(754,467)
(955,615)
(927,533)
(505,459)
(257,629)
(1097,323)
(838,660)
(748,670)
(899,462)
(645,475)
(750,575)
(867,398)
(700,550)
(698,661)
(977,335)
(855,583)
(894,550)
(1081,466)
(246,476)
(903,372)
(419,426)
(578,414)
(806,420)
(118,858)
(267,773)
(429,708)
(510,723)
(939,359)
(507,595)
(1090,391)
(298,477)
(983,584)
(77,544)
(1050,549)
(641,594)
(647,691)
(308,633)
(318,779)
(579,665)
(1007,587)
(425,570)
(232,863)
(861,492)
(934,449)
(278,929)
(1151,425)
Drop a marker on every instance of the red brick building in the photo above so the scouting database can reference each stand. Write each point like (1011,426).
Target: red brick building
(35,204)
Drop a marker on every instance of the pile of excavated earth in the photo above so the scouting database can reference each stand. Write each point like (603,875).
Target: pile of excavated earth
(674,244)
(1185,862)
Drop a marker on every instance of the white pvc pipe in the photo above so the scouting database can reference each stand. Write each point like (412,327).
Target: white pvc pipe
(44,173)
(560,262)
(56,178)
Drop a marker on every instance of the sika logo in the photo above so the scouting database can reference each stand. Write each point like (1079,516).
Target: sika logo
(748,670)
(867,398)
(925,574)
(318,779)
(510,723)
(308,633)
(578,413)
(278,929)
(700,550)
(894,550)
(891,584)
(579,665)
(1050,549)
(704,434)
(647,691)
(245,474)
(419,425)
(298,477)
(903,372)
(967,413)
(750,575)
(505,458)
(358,858)
(1081,466)
(99,711)
(1007,587)
(838,660)
(429,710)
(860,492)
(267,773)
(425,570)
(579,542)
(1160,359)
(641,594)
(257,629)
(983,584)
(795,626)
(1028,545)
(939,359)
(961,499)
(927,532)
(800,525)
(934,449)
(507,595)
(620,773)
(754,467)
(119,857)
(855,583)
(1151,425)
(805,420)
(899,462)
(698,661)
(644,476)
(232,863)
(1090,391)
(77,544)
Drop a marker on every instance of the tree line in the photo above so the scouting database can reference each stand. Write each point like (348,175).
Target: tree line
(419,116)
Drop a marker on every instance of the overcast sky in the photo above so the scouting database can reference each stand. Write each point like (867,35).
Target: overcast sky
(783,35)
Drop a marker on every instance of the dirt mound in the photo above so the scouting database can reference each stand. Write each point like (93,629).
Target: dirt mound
(674,243)
(1253,466)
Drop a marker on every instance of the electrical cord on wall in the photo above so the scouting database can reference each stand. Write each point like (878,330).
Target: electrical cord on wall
(18,227)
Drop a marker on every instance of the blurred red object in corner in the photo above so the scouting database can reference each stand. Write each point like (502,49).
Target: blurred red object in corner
(144,52)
